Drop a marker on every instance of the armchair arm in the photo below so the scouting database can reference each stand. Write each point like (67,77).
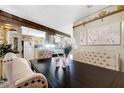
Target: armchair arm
(34,81)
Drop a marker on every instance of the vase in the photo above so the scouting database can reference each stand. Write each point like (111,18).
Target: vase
(57,60)
(65,61)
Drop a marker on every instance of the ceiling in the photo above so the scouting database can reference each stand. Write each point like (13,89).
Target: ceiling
(59,17)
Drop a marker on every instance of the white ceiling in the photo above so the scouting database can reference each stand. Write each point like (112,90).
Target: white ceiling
(59,17)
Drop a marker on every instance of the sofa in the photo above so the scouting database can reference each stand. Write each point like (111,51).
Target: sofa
(98,58)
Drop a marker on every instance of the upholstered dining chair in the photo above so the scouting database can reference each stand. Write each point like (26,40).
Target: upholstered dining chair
(22,76)
(43,54)
(7,67)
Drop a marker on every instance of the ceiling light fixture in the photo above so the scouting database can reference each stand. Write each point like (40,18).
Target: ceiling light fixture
(89,6)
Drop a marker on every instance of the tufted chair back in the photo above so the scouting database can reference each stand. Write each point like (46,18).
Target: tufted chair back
(98,58)
(9,56)
(43,54)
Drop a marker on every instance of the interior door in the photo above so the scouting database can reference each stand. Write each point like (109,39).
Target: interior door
(28,50)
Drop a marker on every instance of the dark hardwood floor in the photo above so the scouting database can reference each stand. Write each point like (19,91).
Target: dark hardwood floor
(78,75)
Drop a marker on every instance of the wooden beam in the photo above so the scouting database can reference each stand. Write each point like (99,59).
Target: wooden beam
(10,18)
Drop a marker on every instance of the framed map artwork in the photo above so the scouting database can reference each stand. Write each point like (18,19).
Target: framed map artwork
(104,35)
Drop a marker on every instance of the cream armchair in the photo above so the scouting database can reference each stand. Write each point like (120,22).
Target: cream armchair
(20,74)
(7,67)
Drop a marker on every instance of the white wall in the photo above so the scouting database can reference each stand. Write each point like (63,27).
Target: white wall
(68,29)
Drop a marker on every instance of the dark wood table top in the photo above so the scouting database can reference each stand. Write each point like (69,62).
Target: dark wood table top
(56,55)
(78,75)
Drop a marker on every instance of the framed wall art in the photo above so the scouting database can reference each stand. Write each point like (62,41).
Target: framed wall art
(104,35)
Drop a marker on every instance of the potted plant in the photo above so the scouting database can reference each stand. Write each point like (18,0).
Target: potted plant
(66,45)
